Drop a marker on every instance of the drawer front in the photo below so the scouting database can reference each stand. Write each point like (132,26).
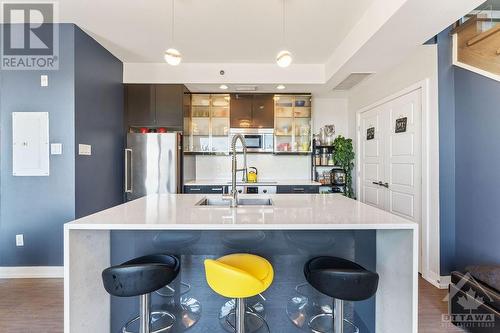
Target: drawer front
(298,189)
(204,189)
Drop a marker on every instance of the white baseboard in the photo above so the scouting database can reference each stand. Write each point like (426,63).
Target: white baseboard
(31,272)
(437,281)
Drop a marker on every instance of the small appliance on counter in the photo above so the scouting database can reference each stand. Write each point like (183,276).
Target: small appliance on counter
(252,175)
(338,180)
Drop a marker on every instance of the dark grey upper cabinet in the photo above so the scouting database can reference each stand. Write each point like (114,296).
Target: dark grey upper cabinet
(241,110)
(263,111)
(139,104)
(249,110)
(155,105)
(170,105)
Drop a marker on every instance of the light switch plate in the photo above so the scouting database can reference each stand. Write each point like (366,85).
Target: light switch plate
(84,149)
(56,148)
(20,240)
(44,80)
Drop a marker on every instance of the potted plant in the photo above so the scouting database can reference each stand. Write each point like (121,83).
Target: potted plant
(343,156)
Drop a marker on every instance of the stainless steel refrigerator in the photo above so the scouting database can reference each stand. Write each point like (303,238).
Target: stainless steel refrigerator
(155,163)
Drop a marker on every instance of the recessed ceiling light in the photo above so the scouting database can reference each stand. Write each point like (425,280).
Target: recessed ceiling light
(223,87)
(280,87)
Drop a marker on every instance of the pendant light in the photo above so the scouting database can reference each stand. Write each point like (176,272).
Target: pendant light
(173,56)
(284,57)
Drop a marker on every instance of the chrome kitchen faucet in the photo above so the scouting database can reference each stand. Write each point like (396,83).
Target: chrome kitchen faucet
(233,196)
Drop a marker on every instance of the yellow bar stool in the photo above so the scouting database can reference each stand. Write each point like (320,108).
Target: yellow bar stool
(240,276)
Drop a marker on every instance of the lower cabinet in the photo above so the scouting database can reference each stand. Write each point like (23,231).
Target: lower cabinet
(298,189)
(206,189)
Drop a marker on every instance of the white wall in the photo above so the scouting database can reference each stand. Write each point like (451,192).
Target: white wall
(272,167)
(328,111)
(421,65)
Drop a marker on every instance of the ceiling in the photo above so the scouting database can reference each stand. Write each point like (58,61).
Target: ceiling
(329,39)
(216,31)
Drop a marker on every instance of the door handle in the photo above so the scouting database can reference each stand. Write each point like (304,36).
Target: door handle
(386,185)
(128,170)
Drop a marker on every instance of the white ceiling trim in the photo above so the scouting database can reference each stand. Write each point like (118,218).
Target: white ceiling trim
(234,73)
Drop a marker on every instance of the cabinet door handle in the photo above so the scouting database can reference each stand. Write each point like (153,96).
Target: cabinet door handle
(297,189)
(216,188)
(386,185)
(376,183)
(195,189)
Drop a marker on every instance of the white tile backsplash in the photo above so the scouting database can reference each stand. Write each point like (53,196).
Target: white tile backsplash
(270,167)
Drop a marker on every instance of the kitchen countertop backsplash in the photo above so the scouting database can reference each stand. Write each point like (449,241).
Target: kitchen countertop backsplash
(270,167)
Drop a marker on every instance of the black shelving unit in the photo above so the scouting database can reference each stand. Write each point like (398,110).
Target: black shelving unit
(317,150)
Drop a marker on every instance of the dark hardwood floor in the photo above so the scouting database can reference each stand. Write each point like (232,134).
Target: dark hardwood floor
(36,306)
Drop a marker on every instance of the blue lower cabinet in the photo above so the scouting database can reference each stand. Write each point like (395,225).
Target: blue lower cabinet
(207,189)
(297,189)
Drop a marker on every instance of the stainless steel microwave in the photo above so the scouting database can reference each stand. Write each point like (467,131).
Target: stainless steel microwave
(258,140)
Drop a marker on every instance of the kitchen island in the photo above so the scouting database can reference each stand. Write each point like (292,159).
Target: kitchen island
(292,229)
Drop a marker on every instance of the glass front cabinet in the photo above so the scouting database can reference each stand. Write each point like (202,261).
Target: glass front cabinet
(207,122)
(292,123)
(208,127)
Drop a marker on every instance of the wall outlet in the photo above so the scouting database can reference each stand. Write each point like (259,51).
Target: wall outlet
(44,80)
(20,240)
(84,149)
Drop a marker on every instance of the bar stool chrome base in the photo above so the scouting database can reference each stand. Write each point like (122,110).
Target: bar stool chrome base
(187,309)
(161,321)
(323,323)
(187,312)
(306,305)
(254,316)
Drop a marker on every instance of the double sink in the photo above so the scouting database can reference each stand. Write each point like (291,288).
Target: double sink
(240,202)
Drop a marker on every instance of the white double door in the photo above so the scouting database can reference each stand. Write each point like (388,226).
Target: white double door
(390,173)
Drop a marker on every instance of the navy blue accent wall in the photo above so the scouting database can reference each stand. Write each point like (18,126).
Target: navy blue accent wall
(446,88)
(469,132)
(38,206)
(84,100)
(477,112)
(98,122)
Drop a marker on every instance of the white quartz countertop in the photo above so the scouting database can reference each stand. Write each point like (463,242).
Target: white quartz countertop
(288,212)
(263,182)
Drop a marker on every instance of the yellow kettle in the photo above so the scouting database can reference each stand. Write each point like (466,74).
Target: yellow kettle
(252,175)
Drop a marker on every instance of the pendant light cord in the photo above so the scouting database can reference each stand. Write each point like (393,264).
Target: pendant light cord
(283,40)
(172,21)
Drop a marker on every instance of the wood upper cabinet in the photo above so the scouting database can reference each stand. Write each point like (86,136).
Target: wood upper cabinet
(155,105)
(249,110)
(139,104)
(241,110)
(263,111)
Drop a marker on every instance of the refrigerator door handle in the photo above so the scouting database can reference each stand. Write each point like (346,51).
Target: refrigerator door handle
(128,170)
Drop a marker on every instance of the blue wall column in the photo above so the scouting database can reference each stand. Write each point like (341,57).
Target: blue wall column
(446,87)
(84,100)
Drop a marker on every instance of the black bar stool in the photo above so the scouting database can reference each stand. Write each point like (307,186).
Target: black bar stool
(343,280)
(140,277)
